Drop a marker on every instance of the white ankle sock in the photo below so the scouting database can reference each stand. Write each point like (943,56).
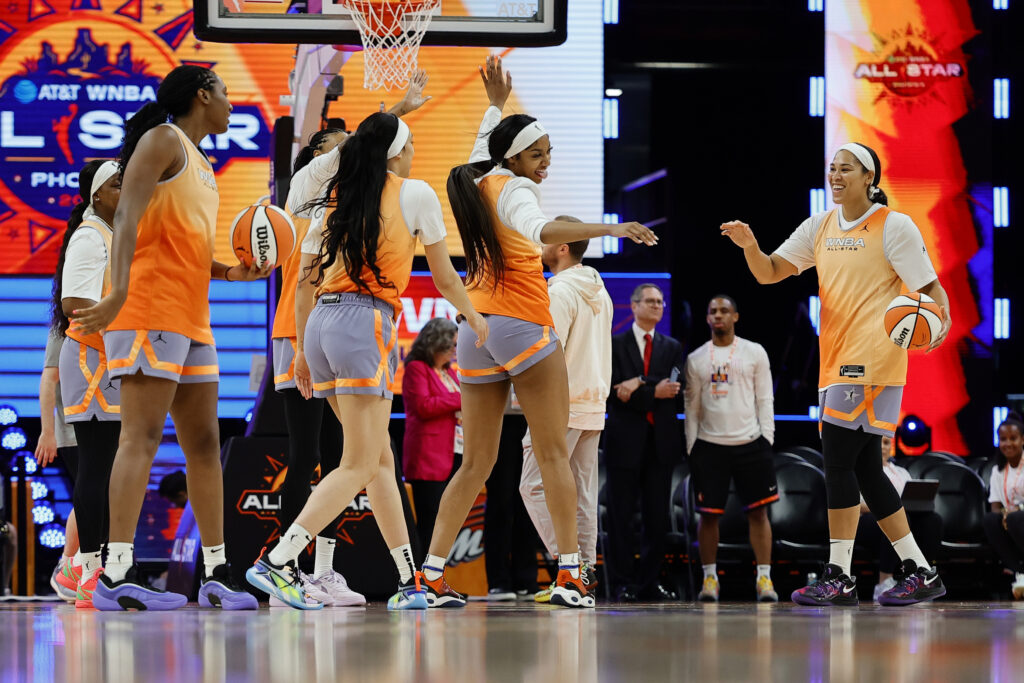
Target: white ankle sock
(433,567)
(841,553)
(571,562)
(764,570)
(76,559)
(402,555)
(324,562)
(213,557)
(120,557)
(91,563)
(292,542)
(907,549)
(710,570)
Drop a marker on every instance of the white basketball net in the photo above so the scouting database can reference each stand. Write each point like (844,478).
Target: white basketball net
(391,31)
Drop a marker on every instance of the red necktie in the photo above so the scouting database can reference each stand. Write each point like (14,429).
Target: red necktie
(647,366)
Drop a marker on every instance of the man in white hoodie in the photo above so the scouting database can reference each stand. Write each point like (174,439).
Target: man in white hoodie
(582,312)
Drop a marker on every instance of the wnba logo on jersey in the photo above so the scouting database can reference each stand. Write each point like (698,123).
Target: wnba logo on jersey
(844,243)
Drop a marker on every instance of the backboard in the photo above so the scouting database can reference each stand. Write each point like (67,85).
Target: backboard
(482,23)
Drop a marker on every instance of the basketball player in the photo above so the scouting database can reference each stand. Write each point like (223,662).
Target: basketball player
(358,267)
(495,200)
(158,339)
(730,429)
(864,253)
(91,400)
(581,310)
(311,430)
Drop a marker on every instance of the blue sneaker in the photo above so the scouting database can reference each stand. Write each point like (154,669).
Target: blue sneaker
(411,595)
(131,593)
(282,583)
(219,590)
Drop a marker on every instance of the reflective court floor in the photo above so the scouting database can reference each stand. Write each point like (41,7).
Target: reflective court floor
(728,642)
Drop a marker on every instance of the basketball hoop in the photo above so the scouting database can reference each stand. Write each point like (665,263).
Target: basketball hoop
(392,31)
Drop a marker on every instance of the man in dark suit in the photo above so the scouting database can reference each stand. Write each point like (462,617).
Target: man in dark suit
(643,444)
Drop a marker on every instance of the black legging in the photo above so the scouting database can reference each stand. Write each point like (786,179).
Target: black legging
(1008,542)
(97,446)
(314,436)
(853,467)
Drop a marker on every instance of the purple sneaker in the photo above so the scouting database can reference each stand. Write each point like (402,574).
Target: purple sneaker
(833,588)
(913,584)
(131,593)
(220,591)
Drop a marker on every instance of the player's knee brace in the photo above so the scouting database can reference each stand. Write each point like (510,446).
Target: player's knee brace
(840,447)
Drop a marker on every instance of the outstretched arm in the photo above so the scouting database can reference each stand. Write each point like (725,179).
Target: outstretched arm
(414,98)
(498,86)
(766,269)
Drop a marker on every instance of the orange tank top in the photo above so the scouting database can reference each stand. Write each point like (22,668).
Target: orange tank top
(284,317)
(170,277)
(95,340)
(856,283)
(524,292)
(395,251)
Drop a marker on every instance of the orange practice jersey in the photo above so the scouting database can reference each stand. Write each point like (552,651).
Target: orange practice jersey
(95,340)
(395,250)
(284,317)
(170,276)
(524,292)
(856,283)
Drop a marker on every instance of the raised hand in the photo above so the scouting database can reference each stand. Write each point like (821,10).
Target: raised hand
(497,82)
(414,97)
(740,233)
(638,232)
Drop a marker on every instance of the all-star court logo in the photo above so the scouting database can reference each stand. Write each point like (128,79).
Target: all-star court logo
(910,63)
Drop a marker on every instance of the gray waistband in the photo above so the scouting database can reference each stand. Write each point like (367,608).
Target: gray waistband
(358,299)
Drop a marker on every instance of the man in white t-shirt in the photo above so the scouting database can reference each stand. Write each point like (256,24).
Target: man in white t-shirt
(730,429)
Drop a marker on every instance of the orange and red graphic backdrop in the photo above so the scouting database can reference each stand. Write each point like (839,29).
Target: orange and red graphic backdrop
(895,80)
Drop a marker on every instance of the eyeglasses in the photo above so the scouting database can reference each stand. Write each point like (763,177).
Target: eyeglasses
(658,303)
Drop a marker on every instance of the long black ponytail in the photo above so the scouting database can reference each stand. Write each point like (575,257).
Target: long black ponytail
(353,228)
(484,255)
(58,320)
(173,98)
(316,141)
(875,193)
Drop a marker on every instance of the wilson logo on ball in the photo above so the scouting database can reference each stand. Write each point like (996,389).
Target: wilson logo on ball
(264,234)
(913,320)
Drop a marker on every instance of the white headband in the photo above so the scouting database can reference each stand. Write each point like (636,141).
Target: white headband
(105,172)
(862,154)
(401,137)
(526,137)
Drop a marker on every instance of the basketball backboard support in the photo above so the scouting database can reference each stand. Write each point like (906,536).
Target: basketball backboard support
(481,23)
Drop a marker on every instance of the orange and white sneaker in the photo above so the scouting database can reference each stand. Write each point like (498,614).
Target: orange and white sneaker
(83,599)
(570,591)
(440,594)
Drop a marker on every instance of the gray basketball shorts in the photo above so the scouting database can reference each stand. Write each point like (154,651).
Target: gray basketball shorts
(154,353)
(874,408)
(284,363)
(513,346)
(85,385)
(350,346)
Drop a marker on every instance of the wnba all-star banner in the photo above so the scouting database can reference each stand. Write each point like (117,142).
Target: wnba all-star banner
(72,71)
(895,79)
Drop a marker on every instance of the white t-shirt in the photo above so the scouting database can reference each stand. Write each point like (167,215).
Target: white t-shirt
(84,263)
(904,247)
(311,181)
(1007,483)
(421,210)
(737,408)
(519,201)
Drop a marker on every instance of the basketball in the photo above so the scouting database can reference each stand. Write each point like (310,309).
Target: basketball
(913,320)
(265,232)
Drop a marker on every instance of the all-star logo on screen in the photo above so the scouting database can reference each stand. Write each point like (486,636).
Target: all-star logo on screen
(910,63)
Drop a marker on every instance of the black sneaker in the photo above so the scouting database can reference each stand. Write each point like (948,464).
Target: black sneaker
(913,584)
(833,588)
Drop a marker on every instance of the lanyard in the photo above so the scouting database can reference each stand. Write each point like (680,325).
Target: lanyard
(711,354)
(447,381)
(1016,480)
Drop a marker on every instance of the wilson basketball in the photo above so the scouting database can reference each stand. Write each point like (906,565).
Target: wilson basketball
(913,320)
(265,233)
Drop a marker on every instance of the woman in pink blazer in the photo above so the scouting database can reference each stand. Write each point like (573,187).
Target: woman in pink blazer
(432,447)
